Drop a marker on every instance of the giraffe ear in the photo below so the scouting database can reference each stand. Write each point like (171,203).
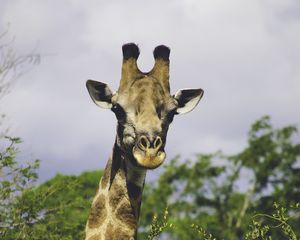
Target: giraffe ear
(187,99)
(100,93)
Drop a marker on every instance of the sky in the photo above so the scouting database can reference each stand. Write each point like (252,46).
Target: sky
(244,54)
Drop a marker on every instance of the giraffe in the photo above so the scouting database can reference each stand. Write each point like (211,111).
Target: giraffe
(144,109)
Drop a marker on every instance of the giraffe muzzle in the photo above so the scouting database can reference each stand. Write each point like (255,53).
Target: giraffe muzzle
(148,152)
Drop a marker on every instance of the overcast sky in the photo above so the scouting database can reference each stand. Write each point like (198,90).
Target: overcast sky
(244,54)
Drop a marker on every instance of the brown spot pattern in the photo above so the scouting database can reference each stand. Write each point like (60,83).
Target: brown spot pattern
(126,215)
(143,91)
(116,194)
(116,233)
(98,213)
(95,237)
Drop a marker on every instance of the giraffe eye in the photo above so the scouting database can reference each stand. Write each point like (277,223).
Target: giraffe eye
(119,111)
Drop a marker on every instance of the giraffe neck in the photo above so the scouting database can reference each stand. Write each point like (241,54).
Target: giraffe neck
(116,206)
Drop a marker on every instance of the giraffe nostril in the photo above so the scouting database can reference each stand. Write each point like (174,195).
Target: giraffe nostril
(157,142)
(144,143)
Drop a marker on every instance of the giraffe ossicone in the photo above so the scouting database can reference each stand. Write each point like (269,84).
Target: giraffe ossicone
(144,109)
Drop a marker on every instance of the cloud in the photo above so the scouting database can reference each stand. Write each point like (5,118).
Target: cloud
(244,54)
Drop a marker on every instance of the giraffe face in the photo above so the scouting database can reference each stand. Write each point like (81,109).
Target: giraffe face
(144,110)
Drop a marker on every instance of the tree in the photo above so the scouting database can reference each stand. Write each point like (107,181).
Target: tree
(73,198)
(15,181)
(57,209)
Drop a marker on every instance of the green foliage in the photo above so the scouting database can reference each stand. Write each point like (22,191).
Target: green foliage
(57,209)
(18,209)
(73,200)
(263,225)
(202,233)
(158,226)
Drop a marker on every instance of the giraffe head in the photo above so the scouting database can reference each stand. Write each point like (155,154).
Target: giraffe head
(143,106)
